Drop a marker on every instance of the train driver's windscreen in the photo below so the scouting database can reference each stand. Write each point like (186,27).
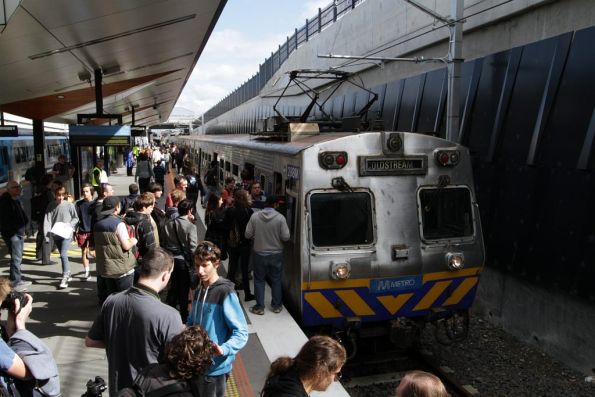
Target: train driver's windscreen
(446,213)
(341,219)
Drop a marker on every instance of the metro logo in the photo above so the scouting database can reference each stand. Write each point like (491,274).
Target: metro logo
(387,285)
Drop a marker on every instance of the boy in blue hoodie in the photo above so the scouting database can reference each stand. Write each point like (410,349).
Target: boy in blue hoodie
(216,308)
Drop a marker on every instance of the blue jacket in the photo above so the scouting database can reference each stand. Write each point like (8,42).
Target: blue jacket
(217,309)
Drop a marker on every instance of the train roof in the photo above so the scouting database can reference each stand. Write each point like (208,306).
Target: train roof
(254,142)
(30,137)
(305,142)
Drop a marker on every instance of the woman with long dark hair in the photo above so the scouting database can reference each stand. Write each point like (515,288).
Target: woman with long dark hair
(317,365)
(215,222)
(236,219)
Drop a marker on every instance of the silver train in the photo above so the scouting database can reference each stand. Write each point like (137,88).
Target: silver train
(16,155)
(385,227)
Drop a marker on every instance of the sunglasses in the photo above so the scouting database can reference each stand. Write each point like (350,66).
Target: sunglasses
(206,247)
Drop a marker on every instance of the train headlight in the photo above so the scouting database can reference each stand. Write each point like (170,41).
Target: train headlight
(332,160)
(340,271)
(455,260)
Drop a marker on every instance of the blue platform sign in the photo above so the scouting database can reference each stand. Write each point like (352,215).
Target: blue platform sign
(392,285)
(96,135)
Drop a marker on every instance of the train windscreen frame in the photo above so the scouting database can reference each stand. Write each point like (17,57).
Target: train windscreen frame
(446,213)
(341,219)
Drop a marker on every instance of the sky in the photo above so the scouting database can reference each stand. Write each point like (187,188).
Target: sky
(245,35)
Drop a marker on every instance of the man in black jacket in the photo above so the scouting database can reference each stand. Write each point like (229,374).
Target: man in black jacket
(14,222)
(127,202)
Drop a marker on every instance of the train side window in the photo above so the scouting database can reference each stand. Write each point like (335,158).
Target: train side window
(341,219)
(4,156)
(227,166)
(235,169)
(446,213)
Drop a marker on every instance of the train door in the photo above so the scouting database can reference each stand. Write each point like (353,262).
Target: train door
(290,208)
(200,162)
(277,184)
(4,163)
(221,169)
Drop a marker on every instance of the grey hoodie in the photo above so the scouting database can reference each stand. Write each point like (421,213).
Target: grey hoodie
(39,360)
(269,230)
(65,212)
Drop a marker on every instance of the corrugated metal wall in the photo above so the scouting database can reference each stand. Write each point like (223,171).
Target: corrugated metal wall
(528,117)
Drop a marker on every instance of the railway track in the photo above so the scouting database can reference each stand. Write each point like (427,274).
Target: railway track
(377,373)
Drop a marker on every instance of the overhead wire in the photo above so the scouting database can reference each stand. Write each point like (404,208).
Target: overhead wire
(389,46)
(354,62)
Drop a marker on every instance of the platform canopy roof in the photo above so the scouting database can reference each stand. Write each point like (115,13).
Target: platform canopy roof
(146,50)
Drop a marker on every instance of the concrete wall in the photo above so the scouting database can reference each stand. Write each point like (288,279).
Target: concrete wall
(378,24)
(554,322)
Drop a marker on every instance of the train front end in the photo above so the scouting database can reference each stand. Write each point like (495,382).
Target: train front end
(392,236)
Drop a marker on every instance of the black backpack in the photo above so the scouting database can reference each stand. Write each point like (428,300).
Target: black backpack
(210,179)
(146,385)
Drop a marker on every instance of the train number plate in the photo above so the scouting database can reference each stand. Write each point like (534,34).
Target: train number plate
(390,166)
(384,286)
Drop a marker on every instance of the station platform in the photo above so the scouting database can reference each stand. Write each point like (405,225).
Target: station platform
(62,318)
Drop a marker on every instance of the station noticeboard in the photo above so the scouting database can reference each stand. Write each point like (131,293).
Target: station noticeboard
(138,131)
(99,135)
(9,130)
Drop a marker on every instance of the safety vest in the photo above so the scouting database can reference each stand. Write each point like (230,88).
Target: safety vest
(95,182)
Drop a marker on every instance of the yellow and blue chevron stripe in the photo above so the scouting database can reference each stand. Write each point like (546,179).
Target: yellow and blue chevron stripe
(332,301)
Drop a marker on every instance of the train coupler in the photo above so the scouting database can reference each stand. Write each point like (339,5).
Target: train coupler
(404,332)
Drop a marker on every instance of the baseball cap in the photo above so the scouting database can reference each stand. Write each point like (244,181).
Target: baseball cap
(109,205)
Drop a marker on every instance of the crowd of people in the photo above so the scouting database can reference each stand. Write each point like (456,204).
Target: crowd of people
(141,251)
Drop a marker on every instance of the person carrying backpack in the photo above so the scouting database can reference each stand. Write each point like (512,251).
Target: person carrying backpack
(194,186)
(180,373)
(127,202)
(144,172)
(181,241)
(211,180)
(145,228)
(236,219)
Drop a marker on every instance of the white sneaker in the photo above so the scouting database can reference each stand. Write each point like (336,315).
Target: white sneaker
(87,275)
(65,279)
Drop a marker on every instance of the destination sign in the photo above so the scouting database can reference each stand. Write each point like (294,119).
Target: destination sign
(390,166)
(138,131)
(9,130)
(94,135)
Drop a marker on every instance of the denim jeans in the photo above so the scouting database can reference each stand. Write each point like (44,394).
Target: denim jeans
(239,257)
(179,287)
(272,266)
(213,386)
(63,244)
(15,244)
